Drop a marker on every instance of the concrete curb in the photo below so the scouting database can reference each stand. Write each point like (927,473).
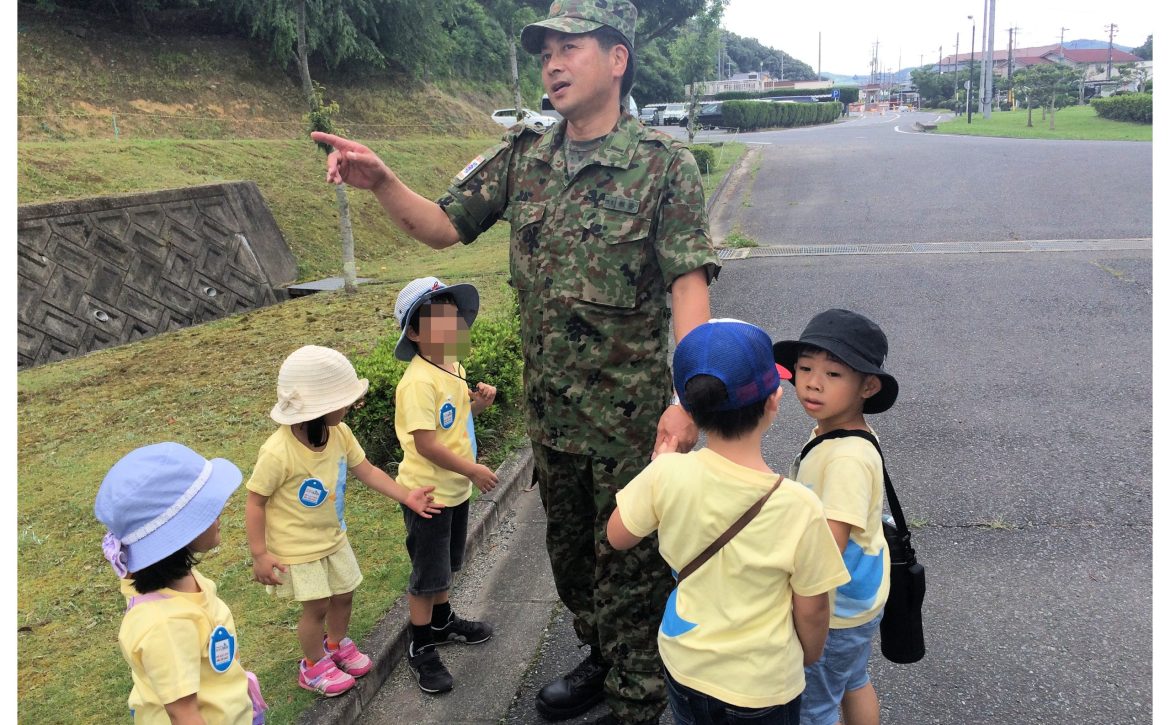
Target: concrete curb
(386,642)
(719,189)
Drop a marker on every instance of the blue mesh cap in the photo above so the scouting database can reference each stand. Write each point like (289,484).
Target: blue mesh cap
(738,353)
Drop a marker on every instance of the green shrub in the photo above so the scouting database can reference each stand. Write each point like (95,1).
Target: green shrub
(704,157)
(495,358)
(847,94)
(751,115)
(1133,107)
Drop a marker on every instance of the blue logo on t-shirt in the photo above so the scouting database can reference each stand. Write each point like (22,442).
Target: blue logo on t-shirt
(221,649)
(674,625)
(339,503)
(865,571)
(312,493)
(447,415)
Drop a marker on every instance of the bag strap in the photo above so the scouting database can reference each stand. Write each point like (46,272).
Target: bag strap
(891,496)
(726,536)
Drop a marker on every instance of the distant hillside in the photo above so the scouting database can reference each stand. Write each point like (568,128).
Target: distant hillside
(79,76)
(1089,44)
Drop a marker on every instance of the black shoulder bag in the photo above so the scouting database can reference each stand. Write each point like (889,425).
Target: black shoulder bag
(901,626)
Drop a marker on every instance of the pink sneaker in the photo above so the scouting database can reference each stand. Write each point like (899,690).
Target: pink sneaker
(348,659)
(324,678)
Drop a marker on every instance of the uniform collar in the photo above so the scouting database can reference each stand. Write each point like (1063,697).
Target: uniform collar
(617,150)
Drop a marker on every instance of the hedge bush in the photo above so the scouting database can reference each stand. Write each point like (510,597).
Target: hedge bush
(495,358)
(847,94)
(751,115)
(704,157)
(1134,107)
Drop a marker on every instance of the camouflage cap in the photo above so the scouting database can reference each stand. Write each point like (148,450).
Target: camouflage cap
(581,16)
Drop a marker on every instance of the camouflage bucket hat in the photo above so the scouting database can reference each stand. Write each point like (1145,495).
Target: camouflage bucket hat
(581,16)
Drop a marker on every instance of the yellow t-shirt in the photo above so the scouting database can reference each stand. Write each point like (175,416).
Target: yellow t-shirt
(727,630)
(428,398)
(304,519)
(846,475)
(173,649)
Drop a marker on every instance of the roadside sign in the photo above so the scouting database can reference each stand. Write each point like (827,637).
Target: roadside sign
(836,94)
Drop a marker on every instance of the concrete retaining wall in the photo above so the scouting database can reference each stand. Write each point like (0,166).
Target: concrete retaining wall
(100,272)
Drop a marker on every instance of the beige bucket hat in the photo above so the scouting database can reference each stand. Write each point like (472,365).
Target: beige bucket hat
(314,381)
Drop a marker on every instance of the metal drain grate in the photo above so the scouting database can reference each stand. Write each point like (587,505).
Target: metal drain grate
(1037,245)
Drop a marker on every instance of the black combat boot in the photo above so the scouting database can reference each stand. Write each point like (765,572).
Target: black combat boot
(576,692)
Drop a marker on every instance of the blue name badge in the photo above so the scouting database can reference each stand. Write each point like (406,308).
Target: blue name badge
(447,415)
(221,649)
(312,493)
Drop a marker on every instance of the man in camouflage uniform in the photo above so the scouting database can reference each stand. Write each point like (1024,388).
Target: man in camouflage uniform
(608,220)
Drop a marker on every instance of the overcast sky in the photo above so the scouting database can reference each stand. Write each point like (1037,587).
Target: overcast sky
(914,29)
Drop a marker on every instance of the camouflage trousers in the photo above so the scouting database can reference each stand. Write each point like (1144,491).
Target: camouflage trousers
(616,597)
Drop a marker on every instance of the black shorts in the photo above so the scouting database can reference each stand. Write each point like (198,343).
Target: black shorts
(436,547)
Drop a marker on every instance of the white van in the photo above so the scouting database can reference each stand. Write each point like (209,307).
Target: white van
(546,107)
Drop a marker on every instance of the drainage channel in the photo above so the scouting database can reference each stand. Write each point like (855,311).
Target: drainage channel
(1038,245)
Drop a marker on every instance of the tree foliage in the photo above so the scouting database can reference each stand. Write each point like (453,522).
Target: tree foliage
(749,54)
(1145,51)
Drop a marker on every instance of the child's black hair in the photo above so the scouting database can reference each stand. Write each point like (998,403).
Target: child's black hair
(165,571)
(807,349)
(316,431)
(704,393)
(444,299)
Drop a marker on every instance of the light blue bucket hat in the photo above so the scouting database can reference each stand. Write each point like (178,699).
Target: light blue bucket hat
(158,499)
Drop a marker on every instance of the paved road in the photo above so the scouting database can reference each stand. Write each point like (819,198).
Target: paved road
(1020,444)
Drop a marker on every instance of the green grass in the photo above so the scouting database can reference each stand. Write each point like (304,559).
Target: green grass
(726,156)
(736,239)
(1079,123)
(291,176)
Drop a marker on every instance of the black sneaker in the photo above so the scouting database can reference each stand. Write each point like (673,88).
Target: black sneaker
(575,693)
(461,630)
(428,669)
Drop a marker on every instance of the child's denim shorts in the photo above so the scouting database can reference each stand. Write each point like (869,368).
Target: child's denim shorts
(436,547)
(842,668)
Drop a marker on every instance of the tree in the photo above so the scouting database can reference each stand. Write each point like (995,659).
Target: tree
(1145,51)
(320,118)
(512,16)
(693,53)
(655,77)
(1052,86)
(934,89)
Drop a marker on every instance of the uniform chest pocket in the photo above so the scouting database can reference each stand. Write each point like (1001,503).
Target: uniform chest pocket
(614,255)
(525,249)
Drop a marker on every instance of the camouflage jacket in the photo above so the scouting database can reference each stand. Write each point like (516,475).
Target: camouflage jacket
(592,258)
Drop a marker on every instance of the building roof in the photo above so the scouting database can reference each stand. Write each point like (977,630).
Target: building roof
(1097,55)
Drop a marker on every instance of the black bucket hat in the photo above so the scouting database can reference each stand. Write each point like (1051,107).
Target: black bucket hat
(852,338)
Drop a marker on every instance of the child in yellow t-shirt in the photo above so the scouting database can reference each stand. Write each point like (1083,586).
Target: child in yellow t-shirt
(295,513)
(161,504)
(434,421)
(737,633)
(837,364)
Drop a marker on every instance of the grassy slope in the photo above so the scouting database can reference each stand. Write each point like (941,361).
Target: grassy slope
(208,386)
(1079,123)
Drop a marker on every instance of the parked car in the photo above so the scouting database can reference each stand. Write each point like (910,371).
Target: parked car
(651,114)
(673,113)
(710,116)
(506,117)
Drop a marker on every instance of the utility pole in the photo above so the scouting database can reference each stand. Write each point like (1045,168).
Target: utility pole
(1062,29)
(818,55)
(971,74)
(1109,68)
(1011,86)
(989,62)
(955,67)
(940,60)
